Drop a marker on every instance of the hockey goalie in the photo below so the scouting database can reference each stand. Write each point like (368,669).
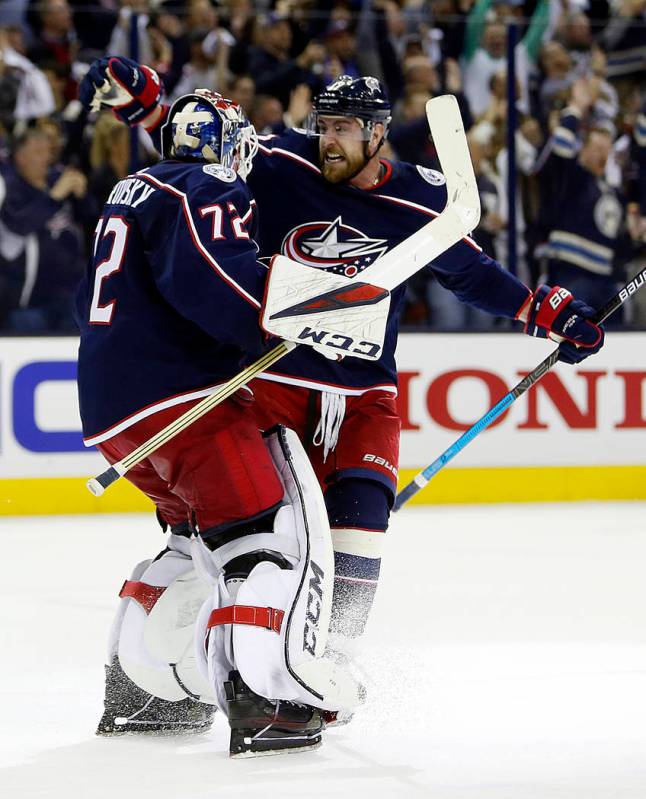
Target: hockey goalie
(234,613)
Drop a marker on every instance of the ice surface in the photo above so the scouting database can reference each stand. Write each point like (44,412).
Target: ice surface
(506,659)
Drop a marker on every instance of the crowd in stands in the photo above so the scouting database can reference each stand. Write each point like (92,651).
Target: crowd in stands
(580,135)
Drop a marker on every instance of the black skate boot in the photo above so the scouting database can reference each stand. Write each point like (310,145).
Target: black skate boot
(128,708)
(262,727)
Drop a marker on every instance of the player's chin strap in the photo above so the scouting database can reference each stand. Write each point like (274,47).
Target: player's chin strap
(332,415)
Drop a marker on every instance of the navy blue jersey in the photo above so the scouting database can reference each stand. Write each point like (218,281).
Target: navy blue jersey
(170,300)
(342,229)
(587,213)
(41,242)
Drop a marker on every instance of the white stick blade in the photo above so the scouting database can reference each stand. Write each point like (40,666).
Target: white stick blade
(447,129)
(460,215)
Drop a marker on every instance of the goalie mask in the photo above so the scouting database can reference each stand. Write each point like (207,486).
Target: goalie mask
(363,99)
(204,126)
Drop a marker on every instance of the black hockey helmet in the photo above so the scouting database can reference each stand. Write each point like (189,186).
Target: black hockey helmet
(363,98)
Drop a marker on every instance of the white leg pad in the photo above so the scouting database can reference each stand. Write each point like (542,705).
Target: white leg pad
(157,649)
(287,663)
(117,622)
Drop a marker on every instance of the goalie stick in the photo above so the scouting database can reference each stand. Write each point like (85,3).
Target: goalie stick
(459,217)
(424,477)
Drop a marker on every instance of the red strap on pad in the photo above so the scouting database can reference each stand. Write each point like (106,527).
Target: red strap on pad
(269,618)
(146,595)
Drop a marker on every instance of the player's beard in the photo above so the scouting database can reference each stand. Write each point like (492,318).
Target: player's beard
(344,169)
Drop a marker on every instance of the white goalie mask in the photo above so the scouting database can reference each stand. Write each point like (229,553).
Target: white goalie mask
(204,126)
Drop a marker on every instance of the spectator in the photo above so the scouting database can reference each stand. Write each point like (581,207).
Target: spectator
(33,95)
(41,244)
(9,86)
(410,138)
(488,59)
(624,39)
(201,15)
(341,44)
(56,39)
(242,90)
(272,68)
(238,17)
(201,71)
(586,234)
(267,114)
(109,157)
(448,32)
(94,23)
(293,46)
(120,39)
(558,75)
(486,46)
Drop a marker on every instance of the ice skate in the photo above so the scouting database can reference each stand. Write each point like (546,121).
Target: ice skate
(128,708)
(262,727)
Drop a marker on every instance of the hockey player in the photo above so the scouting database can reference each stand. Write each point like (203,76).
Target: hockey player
(167,311)
(327,200)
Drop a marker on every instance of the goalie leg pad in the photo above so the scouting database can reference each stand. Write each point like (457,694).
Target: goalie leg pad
(156,646)
(274,630)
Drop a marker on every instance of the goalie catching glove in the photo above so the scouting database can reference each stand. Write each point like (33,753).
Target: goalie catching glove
(554,313)
(133,91)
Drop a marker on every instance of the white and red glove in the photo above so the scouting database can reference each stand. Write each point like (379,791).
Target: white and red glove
(132,90)
(554,313)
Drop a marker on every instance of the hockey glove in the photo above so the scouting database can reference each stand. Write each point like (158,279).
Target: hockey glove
(554,313)
(132,90)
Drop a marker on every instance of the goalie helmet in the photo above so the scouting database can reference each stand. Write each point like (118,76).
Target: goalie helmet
(204,126)
(363,98)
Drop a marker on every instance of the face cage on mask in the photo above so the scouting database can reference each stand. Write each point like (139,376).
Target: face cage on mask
(238,146)
(247,149)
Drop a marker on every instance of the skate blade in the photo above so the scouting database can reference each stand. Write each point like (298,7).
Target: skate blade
(151,728)
(247,755)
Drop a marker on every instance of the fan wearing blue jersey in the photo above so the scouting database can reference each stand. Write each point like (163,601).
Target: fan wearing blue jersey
(169,310)
(328,200)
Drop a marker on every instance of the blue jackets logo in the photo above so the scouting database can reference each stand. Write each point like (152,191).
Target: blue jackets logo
(333,246)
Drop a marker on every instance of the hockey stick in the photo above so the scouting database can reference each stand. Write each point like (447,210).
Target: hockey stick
(97,485)
(460,215)
(424,477)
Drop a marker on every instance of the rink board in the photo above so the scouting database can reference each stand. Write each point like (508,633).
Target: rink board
(580,434)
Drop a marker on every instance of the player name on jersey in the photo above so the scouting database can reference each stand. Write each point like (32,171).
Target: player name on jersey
(130,191)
